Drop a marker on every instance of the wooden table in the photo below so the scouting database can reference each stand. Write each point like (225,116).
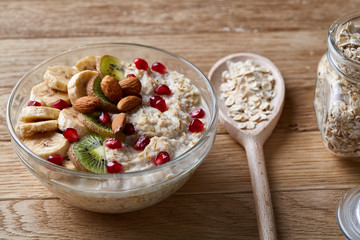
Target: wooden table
(306,181)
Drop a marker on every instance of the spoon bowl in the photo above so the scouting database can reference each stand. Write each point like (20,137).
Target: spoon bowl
(253,140)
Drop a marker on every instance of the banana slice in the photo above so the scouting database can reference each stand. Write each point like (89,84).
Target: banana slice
(46,95)
(24,130)
(68,119)
(46,144)
(87,63)
(35,113)
(57,77)
(77,84)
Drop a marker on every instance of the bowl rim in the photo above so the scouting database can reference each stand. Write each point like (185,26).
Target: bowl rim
(211,127)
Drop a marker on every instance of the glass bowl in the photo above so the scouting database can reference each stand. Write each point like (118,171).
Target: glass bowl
(122,192)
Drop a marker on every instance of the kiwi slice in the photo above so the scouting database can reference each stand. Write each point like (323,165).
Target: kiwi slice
(93,89)
(88,154)
(91,122)
(109,65)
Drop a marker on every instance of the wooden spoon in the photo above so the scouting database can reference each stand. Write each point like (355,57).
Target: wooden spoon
(253,140)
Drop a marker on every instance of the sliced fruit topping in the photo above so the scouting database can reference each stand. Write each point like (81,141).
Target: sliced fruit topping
(86,63)
(34,113)
(114,167)
(196,126)
(104,117)
(57,77)
(71,134)
(111,88)
(163,90)
(34,103)
(161,158)
(78,82)
(129,129)
(93,89)
(46,95)
(87,104)
(130,75)
(91,121)
(88,154)
(158,67)
(198,113)
(68,118)
(128,103)
(56,159)
(141,143)
(60,104)
(113,143)
(141,64)
(130,86)
(158,103)
(24,130)
(109,65)
(118,123)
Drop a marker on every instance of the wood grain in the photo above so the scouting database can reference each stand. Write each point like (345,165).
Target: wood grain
(201,216)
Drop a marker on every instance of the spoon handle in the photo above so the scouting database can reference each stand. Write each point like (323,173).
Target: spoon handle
(261,190)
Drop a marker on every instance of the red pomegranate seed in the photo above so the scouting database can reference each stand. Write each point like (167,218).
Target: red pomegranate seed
(71,134)
(104,117)
(34,103)
(158,67)
(141,143)
(161,158)
(199,113)
(113,143)
(114,167)
(141,64)
(56,159)
(163,90)
(158,103)
(60,104)
(196,126)
(129,129)
(130,75)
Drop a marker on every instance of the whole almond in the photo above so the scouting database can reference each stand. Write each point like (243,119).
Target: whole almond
(128,103)
(130,86)
(118,123)
(111,88)
(87,104)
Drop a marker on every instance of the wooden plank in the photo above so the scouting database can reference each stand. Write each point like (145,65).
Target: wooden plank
(225,169)
(204,216)
(37,19)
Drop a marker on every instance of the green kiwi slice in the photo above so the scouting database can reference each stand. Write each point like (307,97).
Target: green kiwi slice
(89,151)
(109,65)
(93,89)
(91,122)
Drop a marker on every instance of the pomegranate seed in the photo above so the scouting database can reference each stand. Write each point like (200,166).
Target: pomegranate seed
(141,143)
(161,158)
(129,129)
(104,117)
(113,143)
(34,103)
(158,67)
(130,75)
(199,113)
(71,134)
(141,64)
(196,126)
(114,167)
(158,103)
(163,90)
(60,104)
(56,159)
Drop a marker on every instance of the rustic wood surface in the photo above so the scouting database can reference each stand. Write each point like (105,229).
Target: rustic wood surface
(306,181)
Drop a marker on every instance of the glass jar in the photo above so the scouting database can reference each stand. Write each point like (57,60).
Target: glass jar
(337,91)
(348,214)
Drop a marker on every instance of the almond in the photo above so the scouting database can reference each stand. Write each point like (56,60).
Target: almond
(128,103)
(130,86)
(87,104)
(118,123)
(111,88)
